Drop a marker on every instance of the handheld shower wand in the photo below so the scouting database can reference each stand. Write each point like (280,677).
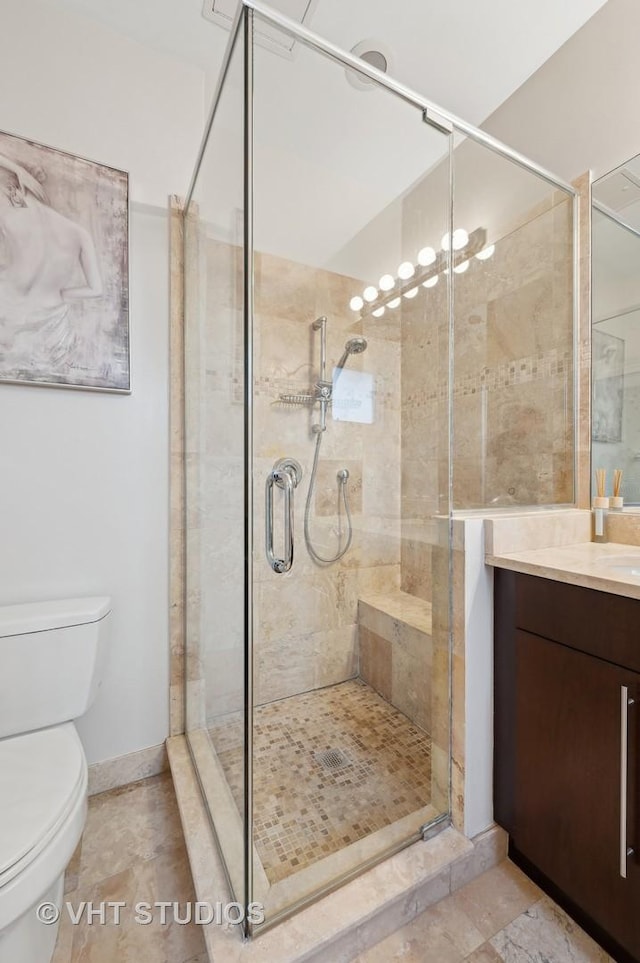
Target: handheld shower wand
(324,391)
(353,346)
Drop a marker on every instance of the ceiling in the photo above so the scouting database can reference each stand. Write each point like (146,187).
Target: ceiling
(469,56)
(331,161)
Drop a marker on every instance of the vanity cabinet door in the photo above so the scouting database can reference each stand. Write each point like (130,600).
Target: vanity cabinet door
(566,783)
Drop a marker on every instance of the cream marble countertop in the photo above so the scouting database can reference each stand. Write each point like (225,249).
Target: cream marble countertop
(580,564)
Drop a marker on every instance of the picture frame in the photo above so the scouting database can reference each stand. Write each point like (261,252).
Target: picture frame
(64,269)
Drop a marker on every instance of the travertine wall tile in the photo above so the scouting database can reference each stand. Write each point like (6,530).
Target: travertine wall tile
(513,368)
(316,611)
(304,622)
(511,533)
(395,646)
(376,659)
(623,527)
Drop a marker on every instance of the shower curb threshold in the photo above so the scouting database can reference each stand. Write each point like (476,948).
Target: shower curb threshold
(348,920)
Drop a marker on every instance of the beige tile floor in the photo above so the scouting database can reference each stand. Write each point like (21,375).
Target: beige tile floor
(500,917)
(303,811)
(133,849)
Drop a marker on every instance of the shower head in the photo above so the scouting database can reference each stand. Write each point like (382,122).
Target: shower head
(353,346)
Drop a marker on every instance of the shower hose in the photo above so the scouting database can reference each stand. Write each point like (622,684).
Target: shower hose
(321,559)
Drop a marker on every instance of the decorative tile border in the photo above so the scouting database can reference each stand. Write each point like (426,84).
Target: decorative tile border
(529,369)
(525,370)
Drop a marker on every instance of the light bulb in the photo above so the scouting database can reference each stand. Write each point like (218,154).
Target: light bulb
(406,270)
(394,303)
(426,256)
(486,252)
(460,239)
(370,293)
(461,268)
(378,312)
(356,304)
(386,282)
(430,282)
(411,294)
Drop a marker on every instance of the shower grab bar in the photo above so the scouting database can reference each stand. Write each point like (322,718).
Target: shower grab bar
(285,474)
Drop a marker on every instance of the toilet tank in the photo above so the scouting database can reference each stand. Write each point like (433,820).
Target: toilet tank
(51,657)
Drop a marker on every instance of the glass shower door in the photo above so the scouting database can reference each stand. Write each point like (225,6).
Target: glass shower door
(215,474)
(350,465)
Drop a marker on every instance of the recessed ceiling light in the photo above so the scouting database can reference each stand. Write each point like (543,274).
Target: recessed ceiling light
(374,53)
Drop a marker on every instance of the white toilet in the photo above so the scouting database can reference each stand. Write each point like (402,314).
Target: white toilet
(50,668)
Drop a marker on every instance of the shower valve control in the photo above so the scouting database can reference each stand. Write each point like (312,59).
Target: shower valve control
(290,465)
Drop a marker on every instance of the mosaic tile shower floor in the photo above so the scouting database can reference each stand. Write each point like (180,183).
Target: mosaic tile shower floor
(304,810)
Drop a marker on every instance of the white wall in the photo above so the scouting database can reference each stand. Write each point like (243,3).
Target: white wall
(72,84)
(579,111)
(478,590)
(84,481)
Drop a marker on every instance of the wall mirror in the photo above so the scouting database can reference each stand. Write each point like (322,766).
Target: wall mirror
(615,424)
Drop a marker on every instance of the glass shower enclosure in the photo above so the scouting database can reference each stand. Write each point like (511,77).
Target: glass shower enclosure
(322,247)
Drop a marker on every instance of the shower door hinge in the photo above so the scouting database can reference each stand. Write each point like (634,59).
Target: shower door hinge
(429,830)
(436,120)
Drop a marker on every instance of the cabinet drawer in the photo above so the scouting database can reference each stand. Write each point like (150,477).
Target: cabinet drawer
(598,623)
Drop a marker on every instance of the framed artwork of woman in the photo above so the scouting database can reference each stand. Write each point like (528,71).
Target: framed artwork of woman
(64,286)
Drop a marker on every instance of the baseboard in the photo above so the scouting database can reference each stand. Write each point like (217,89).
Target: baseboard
(112,773)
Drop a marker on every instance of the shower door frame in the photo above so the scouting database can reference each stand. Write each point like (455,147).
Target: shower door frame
(448,123)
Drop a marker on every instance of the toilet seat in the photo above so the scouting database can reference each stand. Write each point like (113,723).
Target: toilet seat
(43,793)
(40,773)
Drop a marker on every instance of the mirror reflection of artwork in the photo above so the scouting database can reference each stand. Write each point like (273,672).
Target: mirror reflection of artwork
(608,386)
(64,312)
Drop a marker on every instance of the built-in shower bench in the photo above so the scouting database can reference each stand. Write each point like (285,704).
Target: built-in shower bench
(395,648)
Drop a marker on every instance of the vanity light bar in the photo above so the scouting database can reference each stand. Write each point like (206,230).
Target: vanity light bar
(430,265)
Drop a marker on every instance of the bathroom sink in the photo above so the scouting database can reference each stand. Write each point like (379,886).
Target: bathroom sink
(621,564)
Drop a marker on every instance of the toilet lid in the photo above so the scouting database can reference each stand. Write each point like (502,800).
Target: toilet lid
(39,777)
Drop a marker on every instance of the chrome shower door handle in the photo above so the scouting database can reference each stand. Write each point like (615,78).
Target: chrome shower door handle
(283,478)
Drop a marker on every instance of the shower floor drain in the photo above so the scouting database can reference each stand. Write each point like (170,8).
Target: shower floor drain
(332,759)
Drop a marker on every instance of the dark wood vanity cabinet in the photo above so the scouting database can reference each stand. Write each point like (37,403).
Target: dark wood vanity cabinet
(567,727)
